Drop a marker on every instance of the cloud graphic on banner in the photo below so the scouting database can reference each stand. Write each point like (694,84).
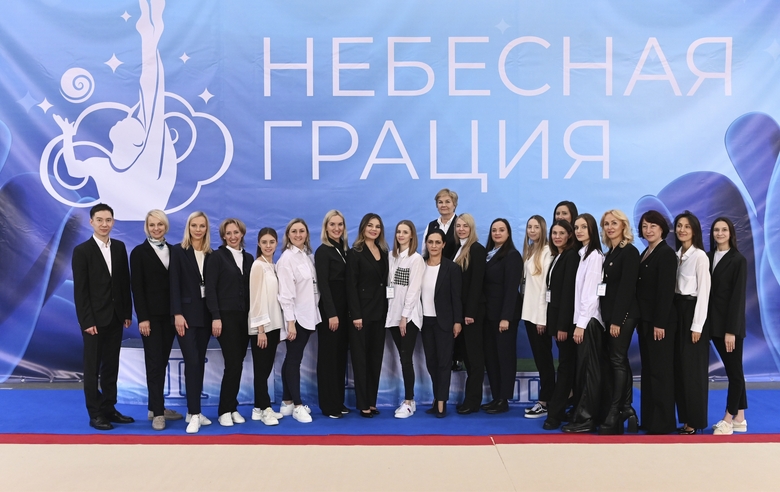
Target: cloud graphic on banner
(138,170)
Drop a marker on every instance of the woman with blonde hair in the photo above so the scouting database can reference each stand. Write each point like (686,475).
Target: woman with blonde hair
(536,262)
(471,258)
(187,271)
(620,312)
(330,261)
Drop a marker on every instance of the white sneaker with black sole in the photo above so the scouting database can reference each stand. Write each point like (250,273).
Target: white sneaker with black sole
(536,412)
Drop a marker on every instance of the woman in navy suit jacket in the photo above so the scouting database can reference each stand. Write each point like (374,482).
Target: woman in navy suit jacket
(442,316)
(191,317)
(503,274)
(150,282)
(726,319)
(367,270)
(227,296)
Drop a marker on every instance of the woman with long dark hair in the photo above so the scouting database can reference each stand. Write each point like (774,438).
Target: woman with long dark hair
(726,319)
(503,274)
(692,354)
(565,210)
(367,270)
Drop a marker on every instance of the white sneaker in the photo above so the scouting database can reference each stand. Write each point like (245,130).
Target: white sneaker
(739,426)
(203,419)
(536,412)
(257,413)
(723,428)
(267,417)
(404,411)
(225,420)
(194,424)
(277,415)
(237,418)
(286,409)
(301,414)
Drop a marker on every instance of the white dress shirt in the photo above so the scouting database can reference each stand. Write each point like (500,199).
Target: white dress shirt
(429,289)
(405,277)
(264,308)
(693,279)
(298,293)
(586,299)
(444,226)
(535,297)
(105,250)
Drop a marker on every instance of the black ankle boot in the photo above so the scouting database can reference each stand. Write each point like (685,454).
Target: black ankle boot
(613,424)
(629,414)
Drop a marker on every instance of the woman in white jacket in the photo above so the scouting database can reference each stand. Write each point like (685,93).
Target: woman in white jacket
(404,307)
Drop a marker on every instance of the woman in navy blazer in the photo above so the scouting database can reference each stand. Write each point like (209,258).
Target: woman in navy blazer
(191,317)
(503,274)
(150,282)
(227,296)
(726,319)
(442,316)
(367,270)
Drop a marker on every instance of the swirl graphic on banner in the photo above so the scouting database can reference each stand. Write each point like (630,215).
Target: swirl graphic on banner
(77,85)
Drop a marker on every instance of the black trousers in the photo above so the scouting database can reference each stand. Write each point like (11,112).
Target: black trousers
(193,347)
(621,379)
(736,398)
(332,347)
(541,348)
(567,367)
(101,365)
(691,368)
(501,358)
(474,358)
(157,351)
(262,366)
(438,343)
(657,406)
(233,341)
(405,345)
(367,346)
(591,366)
(291,368)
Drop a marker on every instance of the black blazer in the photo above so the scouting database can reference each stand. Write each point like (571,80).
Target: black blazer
(447,295)
(227,287)
(366,282)
(655,287)
(150,282)
(473,280)
(502,280)
(726,311)
(98,295)
(451,242)
(185,281)
(561,282)
(621,269)
(331,267)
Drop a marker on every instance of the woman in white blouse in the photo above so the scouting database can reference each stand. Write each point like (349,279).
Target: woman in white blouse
(266,323)
(589,328)
(404,308)
(298,296)
(692,353)
(536,262)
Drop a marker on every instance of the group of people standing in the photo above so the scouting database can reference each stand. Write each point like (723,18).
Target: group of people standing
(457,295)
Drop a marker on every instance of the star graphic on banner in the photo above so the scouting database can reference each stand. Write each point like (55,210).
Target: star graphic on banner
(125,16)
(184,58)
(774,49)
(206,95)
(45,105)
(502,26)
(113,63)
(27,102)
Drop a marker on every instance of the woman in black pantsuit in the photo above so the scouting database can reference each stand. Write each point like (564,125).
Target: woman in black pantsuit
(330,260)
(503,274)
(227,296)
(191,316)
(726,319)
(471,258)
(367,270)
(657,328)
(442,317)
(620,312)
(150,282)
(561,277)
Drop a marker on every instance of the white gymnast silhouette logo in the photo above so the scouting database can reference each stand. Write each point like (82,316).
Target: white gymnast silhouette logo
(139,172)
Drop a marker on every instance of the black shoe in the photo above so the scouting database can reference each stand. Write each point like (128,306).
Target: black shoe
(367,415)
(101,424)
(434,408)
(688,431)
(490,405)
(579,427)
(467,410)
(629,414)
(333,415)
(118,418)
(569,416)
(500,407)
(344,410)
(374,411)
(442,414)
(551,424)
(613,424)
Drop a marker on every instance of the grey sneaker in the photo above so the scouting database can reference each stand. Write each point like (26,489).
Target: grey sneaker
(536,412)
(158,423)
(168,413)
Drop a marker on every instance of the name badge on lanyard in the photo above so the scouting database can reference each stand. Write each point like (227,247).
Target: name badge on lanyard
(390,291)
(601,289)
(202,291)
(547,296)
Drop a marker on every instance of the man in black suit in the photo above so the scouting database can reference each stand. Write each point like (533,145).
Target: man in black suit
(101,292)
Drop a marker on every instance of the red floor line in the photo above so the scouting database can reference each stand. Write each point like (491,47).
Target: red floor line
(380,440)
